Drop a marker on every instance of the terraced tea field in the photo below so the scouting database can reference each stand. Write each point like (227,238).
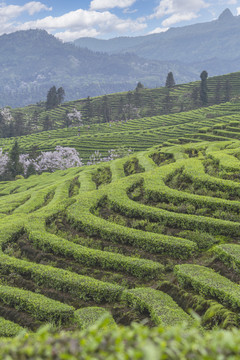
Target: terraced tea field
(208,123)
(143,238)
(147,102)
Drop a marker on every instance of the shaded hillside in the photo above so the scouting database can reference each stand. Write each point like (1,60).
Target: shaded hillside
(32,61)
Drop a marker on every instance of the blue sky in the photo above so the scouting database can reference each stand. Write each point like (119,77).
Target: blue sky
(105,19)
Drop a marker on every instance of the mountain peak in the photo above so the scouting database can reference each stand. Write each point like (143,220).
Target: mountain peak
(226,15)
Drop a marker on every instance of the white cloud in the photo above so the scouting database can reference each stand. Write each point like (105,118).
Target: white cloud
(110,4)
(69,35)
(176,18)
(179,10)
(158,30)
(238,11)
(8,12)
(83,22)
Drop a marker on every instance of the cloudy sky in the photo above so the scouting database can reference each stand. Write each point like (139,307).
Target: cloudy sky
(71,19)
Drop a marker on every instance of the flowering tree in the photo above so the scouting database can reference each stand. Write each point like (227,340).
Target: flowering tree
(75,115)
(60,159)
(3,162)
(120,152)
(7,116)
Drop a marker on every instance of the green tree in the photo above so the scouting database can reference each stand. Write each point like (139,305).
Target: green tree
(14,167)
(88,110)
(195,95)
(52,98)
(170,82)
(167,103)
(139,86)
(60,95)
(47,124)
(227,91)
(19,124)
(31,170)
(203,88)
(106,112)
(137,97)
(217,98)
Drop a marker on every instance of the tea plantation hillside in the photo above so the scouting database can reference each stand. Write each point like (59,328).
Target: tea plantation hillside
(127,105)
(218,122)
(142,238)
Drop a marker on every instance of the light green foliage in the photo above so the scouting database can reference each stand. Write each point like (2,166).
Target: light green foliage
(88,316)
(206,281)
(132,342)
(162,308)
(9,329)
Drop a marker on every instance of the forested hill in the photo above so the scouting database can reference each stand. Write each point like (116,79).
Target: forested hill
(32,61)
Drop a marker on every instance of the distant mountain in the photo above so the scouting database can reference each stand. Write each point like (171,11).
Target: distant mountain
(216,41)
(32,61)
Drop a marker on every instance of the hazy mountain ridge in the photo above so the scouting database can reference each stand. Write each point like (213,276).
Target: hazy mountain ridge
(32,61)
(215,39)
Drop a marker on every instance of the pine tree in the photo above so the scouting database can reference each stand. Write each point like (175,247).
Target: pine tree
(170,82)
(19,124)
(52,98)
(106,112)
(31,170)
(14,167)
(60,95)
(203,88)
(47,125)
(227,91)
(167,104)
(217,98)
(137,98)
(88,110)
(139,86)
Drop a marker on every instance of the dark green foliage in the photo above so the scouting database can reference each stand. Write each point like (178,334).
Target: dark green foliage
(88,110)
(14,167)
(102,176)
(54,97)
(203,88)
(60,95)
(139,86)
(31,170)
(217,98)
(170,82)
(106,110)
(47,124)
(227,91)
(132,166)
